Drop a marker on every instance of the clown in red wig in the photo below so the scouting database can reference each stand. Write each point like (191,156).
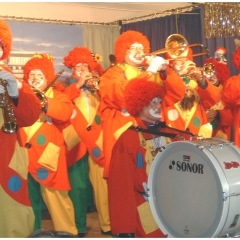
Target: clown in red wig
(46,156)
(230,94)
(17,218)
(85,157)
(132,158)
(221,119)
(131,50)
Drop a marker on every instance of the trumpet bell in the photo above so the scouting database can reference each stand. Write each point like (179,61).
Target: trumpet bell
(176,46)
(208,69)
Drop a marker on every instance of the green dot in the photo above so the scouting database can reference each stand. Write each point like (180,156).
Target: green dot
(97,119)
(196,121)
(41,139)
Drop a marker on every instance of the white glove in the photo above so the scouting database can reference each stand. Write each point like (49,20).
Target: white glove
(155,64)
(12,86)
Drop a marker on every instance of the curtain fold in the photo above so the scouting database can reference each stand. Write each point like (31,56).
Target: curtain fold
(101,39)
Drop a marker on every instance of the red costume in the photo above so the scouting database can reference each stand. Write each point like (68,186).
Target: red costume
(15,208)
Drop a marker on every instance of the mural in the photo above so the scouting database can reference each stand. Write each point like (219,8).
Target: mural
(30,38)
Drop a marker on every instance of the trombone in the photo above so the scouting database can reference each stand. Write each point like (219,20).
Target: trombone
(177,46)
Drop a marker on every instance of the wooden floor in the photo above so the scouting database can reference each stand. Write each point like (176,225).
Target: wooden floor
(93,227)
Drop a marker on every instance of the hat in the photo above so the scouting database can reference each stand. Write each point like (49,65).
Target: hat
(43,62)
(78,55)
(221,69)
(125,40)
(5,39)
(139,92)
(236,54)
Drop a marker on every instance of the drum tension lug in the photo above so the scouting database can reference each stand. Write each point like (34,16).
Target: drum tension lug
(225,196)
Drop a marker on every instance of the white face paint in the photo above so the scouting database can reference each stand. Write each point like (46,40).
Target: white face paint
(36,79)
(79,68)
(155,108)
(135,54)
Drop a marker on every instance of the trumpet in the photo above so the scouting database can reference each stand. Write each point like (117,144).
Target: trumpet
(92,83)
(41,94)
(9,126)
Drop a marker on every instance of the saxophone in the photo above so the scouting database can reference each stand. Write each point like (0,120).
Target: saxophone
(9,126)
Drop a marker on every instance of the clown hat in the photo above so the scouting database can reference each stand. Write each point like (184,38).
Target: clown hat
(139,92)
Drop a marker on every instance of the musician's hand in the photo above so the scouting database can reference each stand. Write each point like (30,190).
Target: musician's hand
(83,78)
(156,64)
(211,114)
(187,68)
(12,86)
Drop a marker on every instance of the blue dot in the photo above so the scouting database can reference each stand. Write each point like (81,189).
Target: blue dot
(42,173)
(14,183)
(96,152)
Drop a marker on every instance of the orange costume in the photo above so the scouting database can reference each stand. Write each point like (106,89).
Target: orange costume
(85,127)
(16,213)
(46,153)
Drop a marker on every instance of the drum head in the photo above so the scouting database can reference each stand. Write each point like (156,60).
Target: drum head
(186,186)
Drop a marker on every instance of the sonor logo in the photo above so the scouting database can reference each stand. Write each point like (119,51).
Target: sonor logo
(186,166)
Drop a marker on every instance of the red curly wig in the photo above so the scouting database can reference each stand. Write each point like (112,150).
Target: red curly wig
(139,92)
(5,39)
(96,66)
(43,62)
(236,58)
(222,70)
(125,40)
(79,55)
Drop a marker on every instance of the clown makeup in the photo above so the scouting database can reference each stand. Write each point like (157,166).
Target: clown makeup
(36,79)
(135,54)
(80,67)
(155,107)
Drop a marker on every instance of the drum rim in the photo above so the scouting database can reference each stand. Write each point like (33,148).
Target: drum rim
(222,179)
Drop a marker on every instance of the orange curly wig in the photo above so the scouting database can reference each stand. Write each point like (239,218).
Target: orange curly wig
(125,40)
(79,55)
(42,62)
(96,66)
(139,92)
(236,58)
(5,39)
(222,70)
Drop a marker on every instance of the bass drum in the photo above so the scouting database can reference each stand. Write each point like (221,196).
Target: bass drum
(194,189)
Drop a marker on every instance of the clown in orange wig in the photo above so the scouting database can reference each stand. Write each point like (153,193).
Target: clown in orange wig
(44,142)
(17,217)
(130,50)
(85,145)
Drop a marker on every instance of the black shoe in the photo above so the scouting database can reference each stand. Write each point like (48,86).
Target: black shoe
(106,233)
(81,235)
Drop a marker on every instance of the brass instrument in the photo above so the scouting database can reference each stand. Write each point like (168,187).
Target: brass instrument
(9,126)
(92,83)
(41,94)
(208,70)
(177,46)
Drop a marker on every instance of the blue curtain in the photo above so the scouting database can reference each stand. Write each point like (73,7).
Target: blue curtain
(191,26)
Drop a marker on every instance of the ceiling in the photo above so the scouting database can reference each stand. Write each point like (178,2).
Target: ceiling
(86,12)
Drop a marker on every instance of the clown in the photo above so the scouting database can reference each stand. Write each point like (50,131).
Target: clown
(132,158)
(85,142)
(15,209)
(130,49)
(189,113)
(47,169)
(230,95)
(220,118)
